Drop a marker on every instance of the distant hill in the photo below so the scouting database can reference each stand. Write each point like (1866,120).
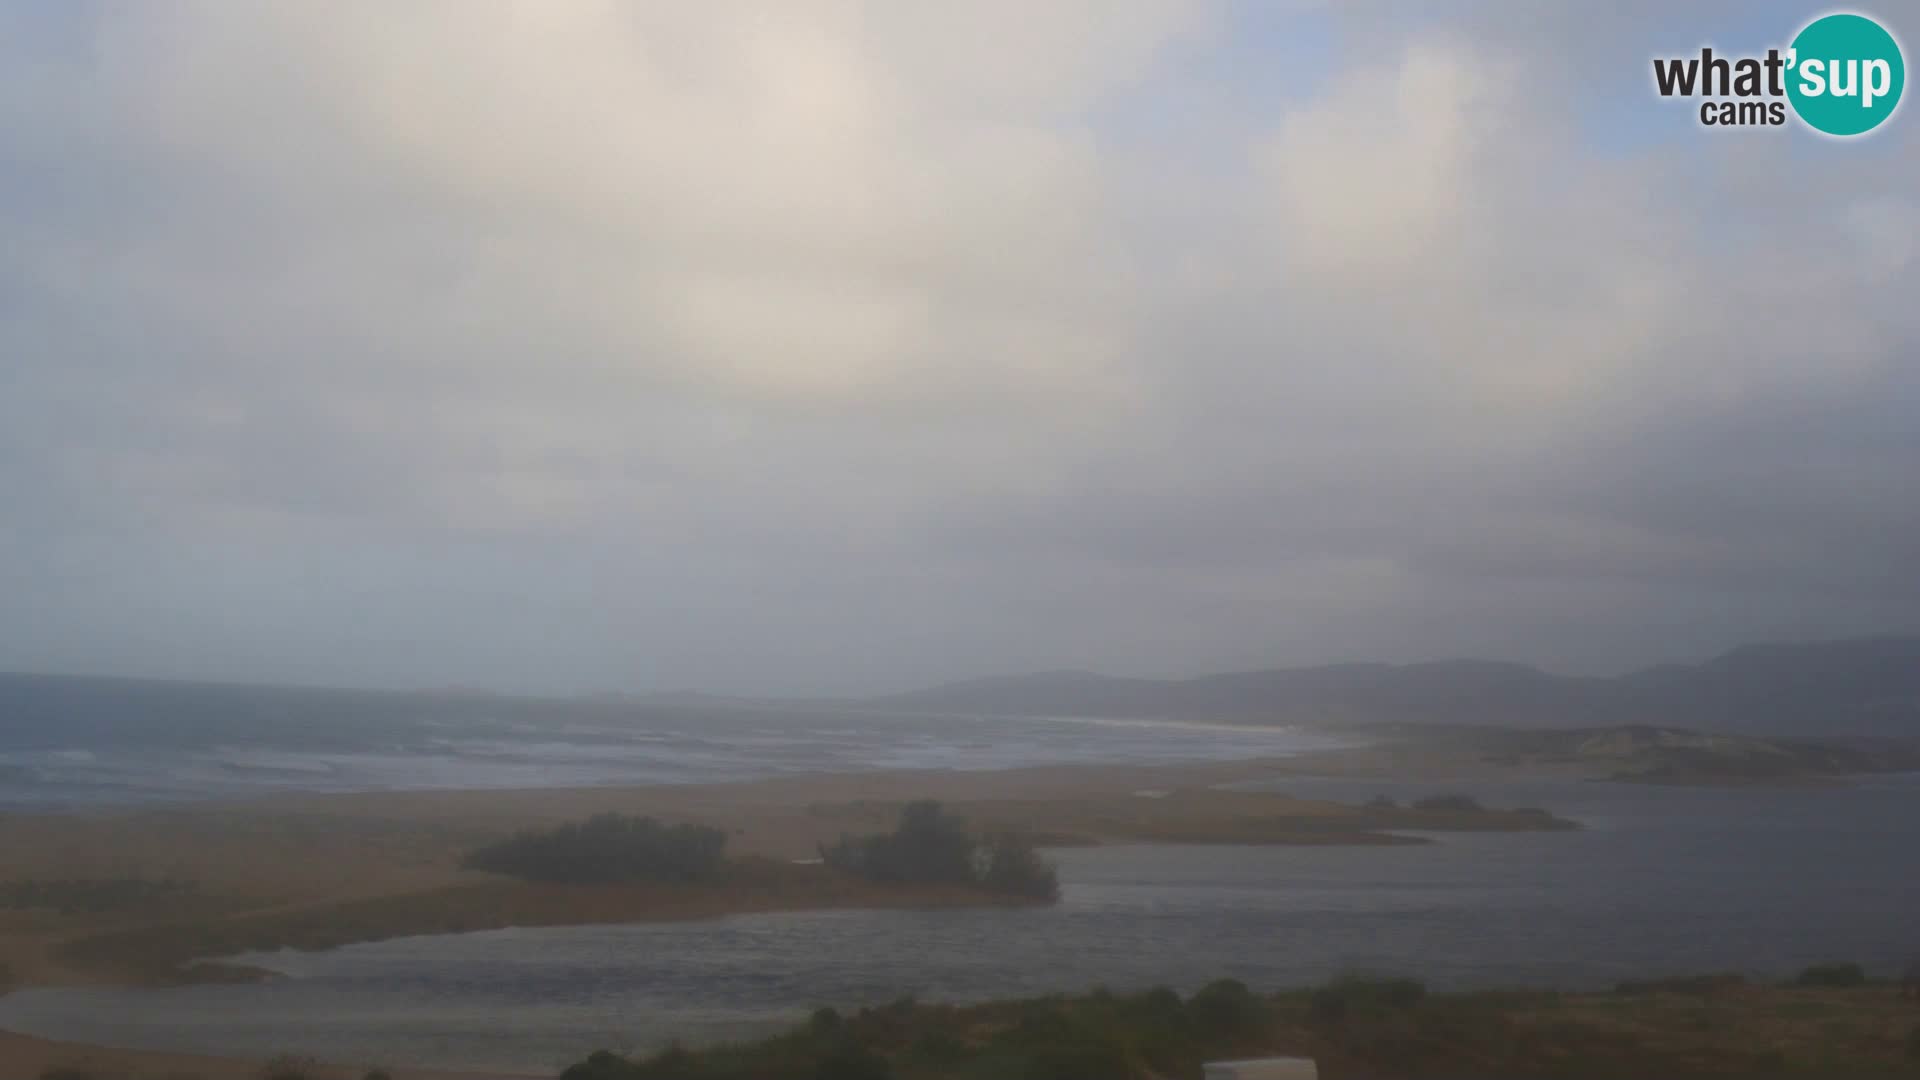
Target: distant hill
(1646,754)
(1868,686)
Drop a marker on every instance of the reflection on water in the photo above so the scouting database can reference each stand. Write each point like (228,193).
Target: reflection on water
(1662,880)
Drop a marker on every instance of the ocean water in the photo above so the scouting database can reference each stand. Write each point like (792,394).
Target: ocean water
(1660,881)
(79,742)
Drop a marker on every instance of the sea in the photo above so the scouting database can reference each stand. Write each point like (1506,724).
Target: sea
(70,743)
(1659,880)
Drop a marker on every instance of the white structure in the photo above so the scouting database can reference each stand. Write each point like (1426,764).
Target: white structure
(1263,1069)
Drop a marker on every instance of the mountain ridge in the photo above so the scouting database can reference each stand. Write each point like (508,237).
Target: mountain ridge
(1853,686)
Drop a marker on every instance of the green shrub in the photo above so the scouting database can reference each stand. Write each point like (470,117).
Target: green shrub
(1353,995)
(606,848)
(673,1063)
(601,1065)
(1832,975)
(1089,1059)
(1701,985)
(1045,1024)
(1008,864)
(1163,1000)
(1226,1007)
(851,1062)
(938,1047)
(824,1021)
(289,1067)
(929,846)
(932,847)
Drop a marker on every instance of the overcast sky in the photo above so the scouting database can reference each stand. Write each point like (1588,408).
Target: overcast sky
(833,347)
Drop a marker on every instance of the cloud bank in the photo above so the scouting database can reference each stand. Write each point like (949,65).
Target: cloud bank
(833,347)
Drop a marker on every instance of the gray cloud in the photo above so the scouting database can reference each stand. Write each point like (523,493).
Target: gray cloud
(835,347)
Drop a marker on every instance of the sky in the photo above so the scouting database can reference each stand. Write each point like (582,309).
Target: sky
(836,347)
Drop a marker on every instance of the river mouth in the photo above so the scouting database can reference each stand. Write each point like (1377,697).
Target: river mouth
(1662,881)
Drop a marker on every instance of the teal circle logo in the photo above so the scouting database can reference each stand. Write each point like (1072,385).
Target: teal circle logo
(1845,74)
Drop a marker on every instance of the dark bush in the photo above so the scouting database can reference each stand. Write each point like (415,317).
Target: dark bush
(1354,995)
(1832,975)
(601,1065)
(1162,1001)
(65,1072)
(1089,1059)
(1049,1024)
(91,895)
(1460,804)
(852,1063)
(928,846)
(1701,985)
(938,1048)
(1913,1043)
(1226,1007)
(933,847)
(673,1063)
(824,1021)
(606,848)
(377,1074)
(288,1067)
(1008,864)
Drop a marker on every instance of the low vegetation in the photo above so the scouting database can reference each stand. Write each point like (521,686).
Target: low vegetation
(1359,995)
(1832,975)
(1450,803)
(1697,985)
(173,951)
(289,1067)
(933,847)
(1454,812)
(285,1067)
(1356,1026)
(606,848)
(91,895)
